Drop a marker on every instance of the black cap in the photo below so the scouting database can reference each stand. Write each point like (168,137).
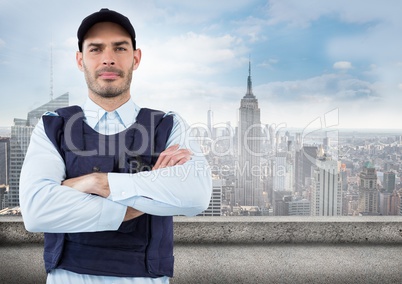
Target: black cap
(104,15)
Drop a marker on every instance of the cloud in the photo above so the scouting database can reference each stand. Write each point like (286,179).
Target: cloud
(192,54)
(295,13)
(301,14)
(252,28)
(329,88)
(269,63)
(298,102)
(195,12)
(342,65)
(372,30)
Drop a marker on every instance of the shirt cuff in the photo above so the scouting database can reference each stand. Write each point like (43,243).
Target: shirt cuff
(111,216)
(121,187)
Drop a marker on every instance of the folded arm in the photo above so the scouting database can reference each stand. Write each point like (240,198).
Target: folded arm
(97,183)
(177,185)
(49,205)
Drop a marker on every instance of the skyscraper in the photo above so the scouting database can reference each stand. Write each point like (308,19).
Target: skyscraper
(368,192)
(305,160)
(249,186)
(384,203)
(4,160)
(326,195)
(280,172)
(215,204)
(283,172)
(20,136)
(19,141)
(4,168)
(210,122)
(389,182)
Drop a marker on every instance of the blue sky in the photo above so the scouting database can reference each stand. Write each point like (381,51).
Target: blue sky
(310,59)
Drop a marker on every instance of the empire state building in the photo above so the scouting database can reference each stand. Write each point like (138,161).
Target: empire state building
(248,190)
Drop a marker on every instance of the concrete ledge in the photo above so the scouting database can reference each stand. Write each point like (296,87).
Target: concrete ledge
(276,230)
(12,231)
(255,230)
(221,250)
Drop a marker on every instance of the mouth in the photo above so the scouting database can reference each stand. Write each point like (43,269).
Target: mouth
(109,74)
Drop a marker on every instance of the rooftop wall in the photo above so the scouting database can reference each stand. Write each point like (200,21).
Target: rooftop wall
(249,250)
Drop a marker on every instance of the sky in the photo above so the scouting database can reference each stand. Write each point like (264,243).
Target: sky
(327,63)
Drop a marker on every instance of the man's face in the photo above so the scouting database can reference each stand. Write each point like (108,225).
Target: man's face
(108,60)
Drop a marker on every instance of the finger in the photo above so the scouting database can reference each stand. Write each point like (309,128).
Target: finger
(172,148)
(183,154)
(179,162)
(161,162)
(163,154)
(165,161)
(172,157)
(179,158)
(184,160)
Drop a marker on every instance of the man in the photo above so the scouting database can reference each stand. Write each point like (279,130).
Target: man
(103,181)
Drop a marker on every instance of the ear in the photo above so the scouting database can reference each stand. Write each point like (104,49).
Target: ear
(137,58)
(78,58)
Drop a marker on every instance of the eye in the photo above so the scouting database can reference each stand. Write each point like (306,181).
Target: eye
(94,49)
(121,48)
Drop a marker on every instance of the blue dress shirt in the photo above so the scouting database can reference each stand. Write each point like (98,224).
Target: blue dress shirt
(47,206)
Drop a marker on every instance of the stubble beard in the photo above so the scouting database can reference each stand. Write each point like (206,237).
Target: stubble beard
(108,90)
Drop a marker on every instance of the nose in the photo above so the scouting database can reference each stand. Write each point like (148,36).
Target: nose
(108,57)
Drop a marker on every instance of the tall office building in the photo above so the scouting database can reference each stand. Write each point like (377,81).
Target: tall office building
(20,136)
(280,202)
(215,204)
(279,171)
(19,141)
(395,203)
(326,143)
(389,182)
(249,183)
(326,193)
(283,172)
(4,160)
(305,160)
(368,192)
(344,177)
(3,190)
(384,203)
(400,202)
(4,168)
(210,122)
(299,208)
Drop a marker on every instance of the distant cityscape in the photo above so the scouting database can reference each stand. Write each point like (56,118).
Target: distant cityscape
(264,170)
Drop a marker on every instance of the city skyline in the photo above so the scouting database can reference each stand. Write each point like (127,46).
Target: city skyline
(309,58)
(244,184)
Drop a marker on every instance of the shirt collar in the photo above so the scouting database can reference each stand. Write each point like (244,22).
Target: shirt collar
(127,112)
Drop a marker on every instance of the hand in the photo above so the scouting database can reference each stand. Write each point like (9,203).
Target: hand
(172,156)
(95,183)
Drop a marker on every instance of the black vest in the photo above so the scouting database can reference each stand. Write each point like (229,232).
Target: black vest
(142,247)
